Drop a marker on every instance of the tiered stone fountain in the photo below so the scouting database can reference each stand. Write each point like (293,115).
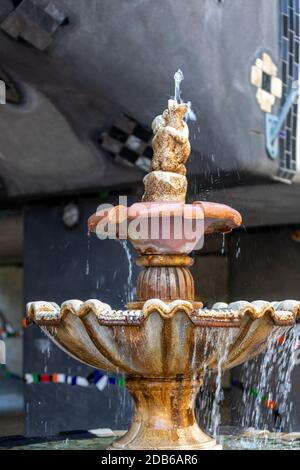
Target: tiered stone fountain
(165,341)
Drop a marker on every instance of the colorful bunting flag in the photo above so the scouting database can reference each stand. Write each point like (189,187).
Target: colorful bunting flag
(96,378)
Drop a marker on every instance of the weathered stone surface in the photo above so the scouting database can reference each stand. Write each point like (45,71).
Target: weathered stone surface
(165,186)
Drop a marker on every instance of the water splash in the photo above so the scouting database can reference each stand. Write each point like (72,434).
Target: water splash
(190,115)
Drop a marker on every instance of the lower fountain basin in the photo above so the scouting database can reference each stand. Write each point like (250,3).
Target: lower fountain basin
(164,349)
(162,340)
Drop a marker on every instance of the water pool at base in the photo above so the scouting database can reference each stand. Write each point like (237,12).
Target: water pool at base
(228,442)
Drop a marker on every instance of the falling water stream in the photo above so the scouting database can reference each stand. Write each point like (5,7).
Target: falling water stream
(274,366)
(285,366)
(238,249)
(223,244)
(211,396)
(225,340)
(129,288)
(268,378)
(87,268)
(265,374)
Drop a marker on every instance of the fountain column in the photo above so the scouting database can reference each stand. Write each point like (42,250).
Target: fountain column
(164,277)
(164,416)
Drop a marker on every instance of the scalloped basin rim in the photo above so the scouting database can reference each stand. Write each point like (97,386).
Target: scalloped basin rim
(285,313)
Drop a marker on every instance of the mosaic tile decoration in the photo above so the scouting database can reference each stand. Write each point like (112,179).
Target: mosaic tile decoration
(264,78)
(290,53)
(128,142)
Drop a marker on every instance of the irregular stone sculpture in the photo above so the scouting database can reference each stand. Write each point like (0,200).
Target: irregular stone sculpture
(171,149)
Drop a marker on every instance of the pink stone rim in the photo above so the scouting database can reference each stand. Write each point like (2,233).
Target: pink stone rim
(217,217)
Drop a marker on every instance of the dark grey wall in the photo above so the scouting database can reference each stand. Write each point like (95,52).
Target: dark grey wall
(122,56)
(55,260)
(264,265)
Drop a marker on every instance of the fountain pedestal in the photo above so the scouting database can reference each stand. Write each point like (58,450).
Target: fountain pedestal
(164,416)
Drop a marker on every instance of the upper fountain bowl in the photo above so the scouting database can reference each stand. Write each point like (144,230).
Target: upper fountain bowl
(164,227)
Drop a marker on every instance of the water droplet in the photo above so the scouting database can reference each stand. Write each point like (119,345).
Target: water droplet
(87,268)
(223,244)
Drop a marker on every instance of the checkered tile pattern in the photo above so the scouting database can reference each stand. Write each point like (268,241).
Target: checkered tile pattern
(129,143)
